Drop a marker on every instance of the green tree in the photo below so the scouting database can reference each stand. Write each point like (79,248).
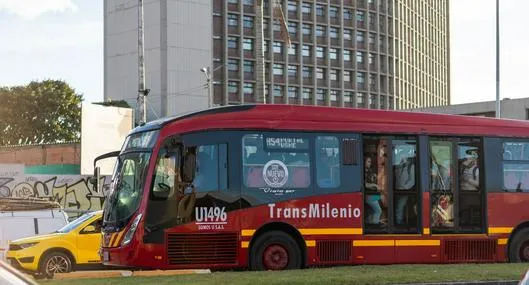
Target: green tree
(40,112)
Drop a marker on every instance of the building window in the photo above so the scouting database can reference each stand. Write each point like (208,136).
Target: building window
(233,1)
(372,58)
(278,91)
(372,80)
(307,72)
(292,92)
(320,31)
(333,32)
(306,8)
(320,10)
(247,44)
(334,95)
(248,66)
(293,49)
(347,14)
(319,52)
(293,28)
(333,12)
(292,70)
(233,20)
(248,88)
(233,64)
(292,6)
(360,17)
(360,37)
(320,73)
(278,47)
(306,29)
(360,57)
(306,50)
(233,42)
(277,27)
(346,55)
(372,38)
(360,78)
(333,53)
(320,94)
(347,96)
(307,94)
(248,22)
(346,76)
(360,98)
(372,100)
(247,2)
(347,34)
(233,87)
(278,69)
(334,74)
(372,19)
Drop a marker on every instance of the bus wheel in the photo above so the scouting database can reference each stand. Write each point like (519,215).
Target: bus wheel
(275,250)
(519,246)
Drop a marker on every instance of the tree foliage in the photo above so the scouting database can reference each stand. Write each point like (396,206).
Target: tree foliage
(40,112)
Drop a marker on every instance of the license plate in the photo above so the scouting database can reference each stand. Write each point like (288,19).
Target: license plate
(106,256)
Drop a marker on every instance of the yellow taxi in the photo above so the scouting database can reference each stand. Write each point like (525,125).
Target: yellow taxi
(74,246)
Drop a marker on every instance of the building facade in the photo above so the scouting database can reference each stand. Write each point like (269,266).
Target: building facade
(380,54)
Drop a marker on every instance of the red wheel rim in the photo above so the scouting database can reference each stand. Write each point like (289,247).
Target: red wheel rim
(275,257)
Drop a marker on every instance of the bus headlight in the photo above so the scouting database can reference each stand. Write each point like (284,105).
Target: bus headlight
(131,231)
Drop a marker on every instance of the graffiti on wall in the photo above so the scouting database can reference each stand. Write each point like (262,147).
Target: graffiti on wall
(73,192)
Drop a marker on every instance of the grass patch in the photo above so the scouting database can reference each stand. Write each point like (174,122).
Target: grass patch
(350,275)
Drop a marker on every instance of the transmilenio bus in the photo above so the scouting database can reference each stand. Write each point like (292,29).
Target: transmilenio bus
(279,187)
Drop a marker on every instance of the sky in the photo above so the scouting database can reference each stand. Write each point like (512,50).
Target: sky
(63,39)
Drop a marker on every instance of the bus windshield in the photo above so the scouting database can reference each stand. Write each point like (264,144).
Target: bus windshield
(128,179)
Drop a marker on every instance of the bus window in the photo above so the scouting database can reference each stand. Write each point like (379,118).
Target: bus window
(470,201)
(207,171)
(405,183)
(284,163)
(375,182)
(441,183)
(516,166)
(327,162)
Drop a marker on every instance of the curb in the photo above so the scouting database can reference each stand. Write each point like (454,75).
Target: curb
(498,282)
(126,273)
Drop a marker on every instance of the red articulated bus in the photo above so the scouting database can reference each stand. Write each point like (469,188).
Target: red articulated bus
(272,187)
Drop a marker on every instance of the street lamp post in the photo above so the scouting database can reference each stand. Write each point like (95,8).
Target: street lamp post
(498,106)
(209,82)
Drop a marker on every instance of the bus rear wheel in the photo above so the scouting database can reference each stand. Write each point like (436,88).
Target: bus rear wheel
(519,246)
(275,250)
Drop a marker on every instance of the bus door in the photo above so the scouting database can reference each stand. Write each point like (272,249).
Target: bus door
(202,227)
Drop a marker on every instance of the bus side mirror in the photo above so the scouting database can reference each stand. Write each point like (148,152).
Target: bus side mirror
(188,168)
(94,180)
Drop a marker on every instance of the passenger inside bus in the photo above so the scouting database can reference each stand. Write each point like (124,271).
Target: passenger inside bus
(404,180)
(371,185)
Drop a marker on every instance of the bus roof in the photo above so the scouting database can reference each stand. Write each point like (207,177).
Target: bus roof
(323,119)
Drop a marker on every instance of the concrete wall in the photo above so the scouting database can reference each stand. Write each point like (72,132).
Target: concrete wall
(177,44)
(189,48)
(73,192)
(42,154)
(510,109)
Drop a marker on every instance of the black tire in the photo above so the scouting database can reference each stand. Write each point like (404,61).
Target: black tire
(276,244)
(55,262)
(518,245)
